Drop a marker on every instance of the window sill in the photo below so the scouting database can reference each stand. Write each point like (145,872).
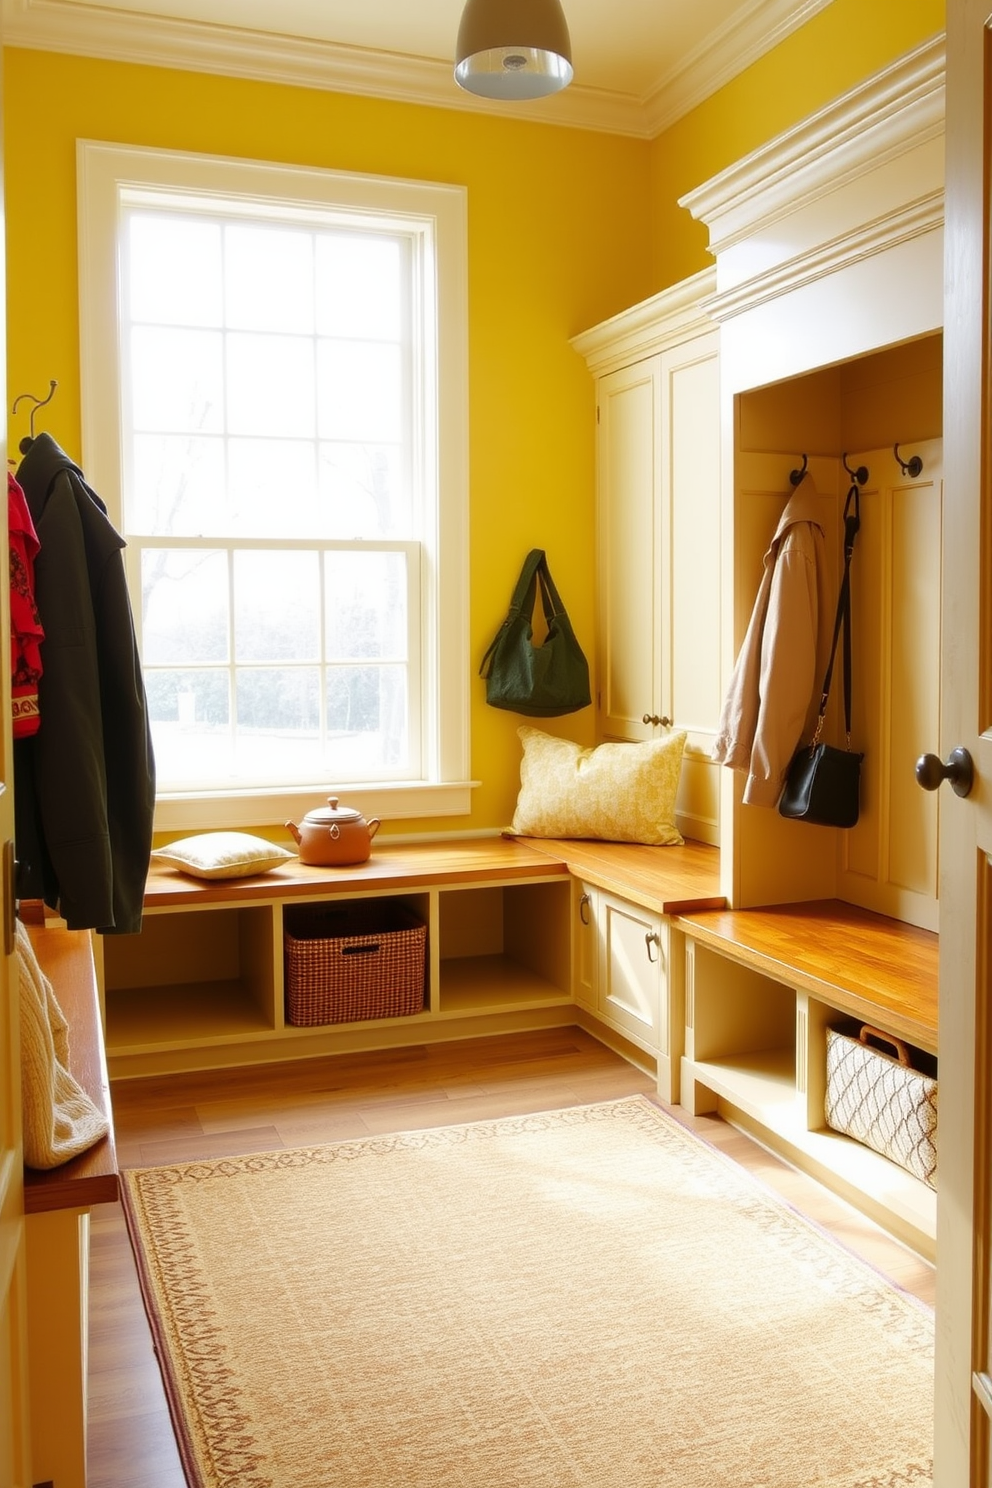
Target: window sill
(236,810)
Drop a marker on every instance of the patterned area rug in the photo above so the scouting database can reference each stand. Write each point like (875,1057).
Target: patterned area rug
(587,1297)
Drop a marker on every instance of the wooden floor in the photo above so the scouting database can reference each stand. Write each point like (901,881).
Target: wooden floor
(249,1110)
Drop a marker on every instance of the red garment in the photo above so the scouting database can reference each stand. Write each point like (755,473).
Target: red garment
(26,633)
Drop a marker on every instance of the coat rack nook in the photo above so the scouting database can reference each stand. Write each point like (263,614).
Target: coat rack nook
(37,402)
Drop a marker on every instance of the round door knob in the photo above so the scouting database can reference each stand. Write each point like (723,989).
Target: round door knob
(653,718)
(959,770)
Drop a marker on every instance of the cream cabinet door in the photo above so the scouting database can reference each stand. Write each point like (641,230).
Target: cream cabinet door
(633,964)
(629,685)
(658,561)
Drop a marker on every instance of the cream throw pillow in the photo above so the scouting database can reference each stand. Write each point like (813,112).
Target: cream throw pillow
(222,855)
(617,792)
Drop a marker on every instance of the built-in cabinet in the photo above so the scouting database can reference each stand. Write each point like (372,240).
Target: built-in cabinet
(629,973)
(204,983)
(814,344)
(658,533)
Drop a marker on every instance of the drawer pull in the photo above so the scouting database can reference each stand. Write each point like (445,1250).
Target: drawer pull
(650,939)
(583,909)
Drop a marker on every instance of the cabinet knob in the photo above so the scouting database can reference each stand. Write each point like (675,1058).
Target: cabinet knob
(654,719)
(959,770)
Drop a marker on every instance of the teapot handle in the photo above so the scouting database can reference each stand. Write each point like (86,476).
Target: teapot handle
(373,825)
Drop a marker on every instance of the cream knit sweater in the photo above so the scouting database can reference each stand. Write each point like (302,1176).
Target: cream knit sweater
(60,1120)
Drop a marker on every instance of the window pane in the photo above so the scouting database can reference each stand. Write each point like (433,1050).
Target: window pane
(177,486)
(364,491)
(359,286)
(359,392)
(270,386)
(177,380)
(278,721)
(366,718)
(190,717)
(175,270)
(273,488)
(184,609)
(276,607)
(366,606)
(268,278)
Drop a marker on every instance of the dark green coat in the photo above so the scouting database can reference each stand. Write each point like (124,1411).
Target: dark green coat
(84,785)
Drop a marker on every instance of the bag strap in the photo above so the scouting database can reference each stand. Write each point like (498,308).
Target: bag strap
(842,620)
(535,573)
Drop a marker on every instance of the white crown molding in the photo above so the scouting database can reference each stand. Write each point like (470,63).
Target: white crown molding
(162,41)
(896,110)
(195,46)
(665,319)
(889,231)
(751,32)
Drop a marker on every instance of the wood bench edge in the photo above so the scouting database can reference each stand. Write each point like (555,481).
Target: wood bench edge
(66,958)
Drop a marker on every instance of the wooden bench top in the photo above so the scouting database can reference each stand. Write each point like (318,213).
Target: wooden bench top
(668,880)
(400,867)
(875,968)
(66,958)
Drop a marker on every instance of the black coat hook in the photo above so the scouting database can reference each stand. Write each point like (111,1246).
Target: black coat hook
(796,476)
(25,443)
(911,467)
(860,475)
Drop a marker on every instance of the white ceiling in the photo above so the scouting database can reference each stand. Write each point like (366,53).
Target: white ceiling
(639,64)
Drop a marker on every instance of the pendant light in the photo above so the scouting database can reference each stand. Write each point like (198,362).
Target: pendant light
(513,49)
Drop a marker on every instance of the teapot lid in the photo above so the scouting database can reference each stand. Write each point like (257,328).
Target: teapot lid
(332,812)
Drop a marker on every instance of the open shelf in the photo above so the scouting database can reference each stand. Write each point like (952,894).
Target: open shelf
(207,971)
(762,1083)
(493,984)
(140,1019)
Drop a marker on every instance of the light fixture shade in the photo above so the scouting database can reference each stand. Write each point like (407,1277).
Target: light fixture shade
(513,49)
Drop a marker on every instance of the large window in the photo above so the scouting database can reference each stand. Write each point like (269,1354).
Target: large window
(274,398)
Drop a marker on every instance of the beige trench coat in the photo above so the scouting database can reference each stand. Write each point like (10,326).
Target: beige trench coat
(774,693)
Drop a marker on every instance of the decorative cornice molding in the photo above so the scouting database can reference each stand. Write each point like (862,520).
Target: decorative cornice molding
(896,110)
(161,41)
(744,38)
(666,318)
(198,46)
(919,217)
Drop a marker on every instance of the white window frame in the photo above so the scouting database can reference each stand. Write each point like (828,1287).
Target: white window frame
(103,172)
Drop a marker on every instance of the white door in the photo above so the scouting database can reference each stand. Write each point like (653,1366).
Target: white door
(14,1428)
(964,1231)
(15,1466)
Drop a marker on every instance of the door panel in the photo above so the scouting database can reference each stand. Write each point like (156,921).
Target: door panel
(964,1352)
(627,673)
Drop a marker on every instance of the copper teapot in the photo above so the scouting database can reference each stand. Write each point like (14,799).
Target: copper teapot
(331,836)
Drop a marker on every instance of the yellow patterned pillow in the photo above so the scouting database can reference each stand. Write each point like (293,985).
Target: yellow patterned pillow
(617,792)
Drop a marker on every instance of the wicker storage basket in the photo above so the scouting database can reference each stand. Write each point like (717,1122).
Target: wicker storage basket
(883,1101)
(346,962)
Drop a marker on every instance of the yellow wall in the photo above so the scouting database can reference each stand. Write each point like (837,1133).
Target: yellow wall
(840,47)
(566,227)
(558,224)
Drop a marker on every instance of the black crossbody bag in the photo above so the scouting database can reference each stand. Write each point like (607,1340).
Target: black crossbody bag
(823,783)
